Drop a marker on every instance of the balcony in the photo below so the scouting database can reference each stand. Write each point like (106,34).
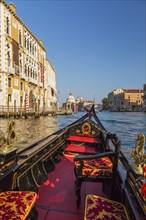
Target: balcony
(31,80)
(11,70)
(23,76)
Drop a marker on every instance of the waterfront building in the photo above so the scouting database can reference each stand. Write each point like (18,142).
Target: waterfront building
(88,104)
(144,106)
(24,70)
(126,99)
(51,93)
(80,103)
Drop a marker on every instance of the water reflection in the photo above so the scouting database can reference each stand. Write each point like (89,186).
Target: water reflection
(126,125)
(31,130)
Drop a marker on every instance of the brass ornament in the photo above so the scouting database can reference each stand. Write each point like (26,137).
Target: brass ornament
(86,128)
(138,153)
(77,131)
(7,140)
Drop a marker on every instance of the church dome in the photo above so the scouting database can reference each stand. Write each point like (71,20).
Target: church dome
(70,98)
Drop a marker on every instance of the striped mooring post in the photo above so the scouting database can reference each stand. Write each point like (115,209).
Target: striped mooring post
(26,106)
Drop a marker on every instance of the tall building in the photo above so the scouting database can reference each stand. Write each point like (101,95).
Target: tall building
(24,71)
(51,93)
(126,99)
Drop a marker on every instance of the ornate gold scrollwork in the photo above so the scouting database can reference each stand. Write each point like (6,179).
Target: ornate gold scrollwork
(86,128)
(77,131)
(138,153)
(10,138)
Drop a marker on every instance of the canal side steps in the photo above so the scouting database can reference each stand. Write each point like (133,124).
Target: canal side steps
(97,207)
(18,205)
(75,144)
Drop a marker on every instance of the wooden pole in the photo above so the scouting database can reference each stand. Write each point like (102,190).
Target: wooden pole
(8,108)
(14,108)
(21,99)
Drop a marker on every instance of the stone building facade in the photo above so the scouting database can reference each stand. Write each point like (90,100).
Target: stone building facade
(24,70)
(126,100)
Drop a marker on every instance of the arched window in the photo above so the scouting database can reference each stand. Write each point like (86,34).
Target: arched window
(8,55)
(20,62)
(9,82)
(25,42)
(31,73)
(28,71)
(33,49)
(7,26)
(8,59)
(20,37)
(30,46)
(25,69)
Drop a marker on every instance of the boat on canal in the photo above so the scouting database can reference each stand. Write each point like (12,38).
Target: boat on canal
(78,172)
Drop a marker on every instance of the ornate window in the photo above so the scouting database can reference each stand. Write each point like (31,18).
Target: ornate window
(25,69)
(28,71)
(9,82)
(21,86)
(7,26)
(8,59)
(20,37)
(25,42)
(30,46)
(8,56)
(20,64)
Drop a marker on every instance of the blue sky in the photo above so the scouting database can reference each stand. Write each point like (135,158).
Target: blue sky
(95,46)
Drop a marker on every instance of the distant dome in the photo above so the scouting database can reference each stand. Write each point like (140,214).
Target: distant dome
(70,98)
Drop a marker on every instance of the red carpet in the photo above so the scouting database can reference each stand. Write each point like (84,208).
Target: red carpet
(57,199)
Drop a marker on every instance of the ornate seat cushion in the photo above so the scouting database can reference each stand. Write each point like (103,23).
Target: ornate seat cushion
(16,205)
(102,166)
(100,208)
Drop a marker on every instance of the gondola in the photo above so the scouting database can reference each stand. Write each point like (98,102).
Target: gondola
(78,172)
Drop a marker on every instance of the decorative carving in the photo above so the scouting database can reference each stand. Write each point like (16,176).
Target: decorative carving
(78,131)
(86,128)
(10,138)
(138,154)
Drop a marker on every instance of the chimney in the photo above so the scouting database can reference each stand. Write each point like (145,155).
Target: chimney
(12,7)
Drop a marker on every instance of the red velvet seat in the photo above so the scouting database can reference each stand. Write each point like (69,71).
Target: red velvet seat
(83,139)
(80,149)
(16,205)
(100,208)
(100,167)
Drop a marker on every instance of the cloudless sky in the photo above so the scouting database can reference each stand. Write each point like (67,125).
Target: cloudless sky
(94,46)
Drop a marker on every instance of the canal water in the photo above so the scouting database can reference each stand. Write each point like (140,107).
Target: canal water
(127,125)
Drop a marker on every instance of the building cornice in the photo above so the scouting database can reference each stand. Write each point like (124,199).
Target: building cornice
(8,7)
